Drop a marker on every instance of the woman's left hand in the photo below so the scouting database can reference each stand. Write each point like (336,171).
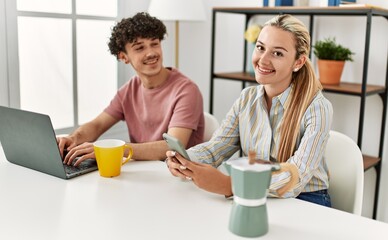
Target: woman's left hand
(203,175)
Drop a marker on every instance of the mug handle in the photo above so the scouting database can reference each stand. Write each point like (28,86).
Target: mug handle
(130,153)
(291,168)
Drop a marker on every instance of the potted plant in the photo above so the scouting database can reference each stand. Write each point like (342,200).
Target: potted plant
(331,60)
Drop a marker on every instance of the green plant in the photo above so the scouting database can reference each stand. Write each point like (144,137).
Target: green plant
(328,49)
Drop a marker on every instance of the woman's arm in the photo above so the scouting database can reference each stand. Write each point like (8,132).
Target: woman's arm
(308,158)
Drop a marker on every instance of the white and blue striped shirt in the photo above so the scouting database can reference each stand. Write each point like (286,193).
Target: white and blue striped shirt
(249,126)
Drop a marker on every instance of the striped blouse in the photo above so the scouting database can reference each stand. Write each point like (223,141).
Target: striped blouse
(249,126)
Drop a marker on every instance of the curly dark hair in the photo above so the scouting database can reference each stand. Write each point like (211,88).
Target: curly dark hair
(142,25)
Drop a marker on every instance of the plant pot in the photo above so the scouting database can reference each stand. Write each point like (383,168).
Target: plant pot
(330,71)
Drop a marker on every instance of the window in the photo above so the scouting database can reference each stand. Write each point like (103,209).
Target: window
(65,67)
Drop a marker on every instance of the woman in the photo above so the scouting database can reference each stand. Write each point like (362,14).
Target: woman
(284,119)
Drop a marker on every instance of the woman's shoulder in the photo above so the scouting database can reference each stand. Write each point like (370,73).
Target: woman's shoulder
(319,97)
(252,91)
(321,101)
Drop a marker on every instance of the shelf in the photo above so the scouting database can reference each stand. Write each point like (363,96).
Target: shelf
(361,89)
(353,88)
(329,11)
(343,87)
(370,161)
(237,76)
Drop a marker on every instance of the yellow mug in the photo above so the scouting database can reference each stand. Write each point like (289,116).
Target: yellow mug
(109,155)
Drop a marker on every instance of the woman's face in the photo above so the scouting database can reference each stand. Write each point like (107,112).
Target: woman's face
(274,58)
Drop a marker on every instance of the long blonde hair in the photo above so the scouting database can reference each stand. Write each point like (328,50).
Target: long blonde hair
(306,85)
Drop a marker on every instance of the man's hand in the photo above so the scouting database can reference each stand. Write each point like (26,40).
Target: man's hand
(68,145)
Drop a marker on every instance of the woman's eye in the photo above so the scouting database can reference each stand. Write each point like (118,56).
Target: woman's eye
(278,54)
(260,47)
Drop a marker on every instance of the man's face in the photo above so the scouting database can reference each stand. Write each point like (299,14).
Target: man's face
(145,55)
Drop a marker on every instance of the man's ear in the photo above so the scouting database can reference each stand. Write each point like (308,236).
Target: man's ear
(123,57)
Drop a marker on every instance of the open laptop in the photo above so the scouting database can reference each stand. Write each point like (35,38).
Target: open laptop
(28,139)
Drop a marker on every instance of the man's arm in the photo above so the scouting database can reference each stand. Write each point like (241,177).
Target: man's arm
(88,132)
(157,150)
(91,131)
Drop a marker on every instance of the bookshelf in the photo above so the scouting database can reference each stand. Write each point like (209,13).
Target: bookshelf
(361,90)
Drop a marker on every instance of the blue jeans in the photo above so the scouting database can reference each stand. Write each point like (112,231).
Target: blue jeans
(320,197)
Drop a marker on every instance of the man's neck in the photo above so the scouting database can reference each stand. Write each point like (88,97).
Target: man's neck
(155,81)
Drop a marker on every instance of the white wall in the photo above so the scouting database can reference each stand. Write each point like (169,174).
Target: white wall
(195,62)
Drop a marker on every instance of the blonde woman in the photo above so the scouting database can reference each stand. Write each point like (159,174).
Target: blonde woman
(283,119)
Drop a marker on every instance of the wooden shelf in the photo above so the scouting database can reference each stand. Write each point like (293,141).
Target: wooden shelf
(353,88)
(237,76)
(343,87)
(370,161)
(324,11)
(361,89)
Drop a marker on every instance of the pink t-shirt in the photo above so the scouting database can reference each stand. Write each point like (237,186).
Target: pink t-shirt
(151,112)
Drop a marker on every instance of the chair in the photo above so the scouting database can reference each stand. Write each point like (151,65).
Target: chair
(346,173)
(211,125)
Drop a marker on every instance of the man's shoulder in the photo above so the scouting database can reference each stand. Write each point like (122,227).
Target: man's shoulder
(132,82)
(177,78)
(178,75)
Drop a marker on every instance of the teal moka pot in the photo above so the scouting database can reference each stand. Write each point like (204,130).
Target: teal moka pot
(250,182)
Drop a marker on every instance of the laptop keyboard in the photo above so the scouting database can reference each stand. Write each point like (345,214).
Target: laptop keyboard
(73,169)
(86,164)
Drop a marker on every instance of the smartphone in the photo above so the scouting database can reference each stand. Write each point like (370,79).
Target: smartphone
(175,145)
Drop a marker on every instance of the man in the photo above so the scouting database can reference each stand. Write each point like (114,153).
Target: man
(155,101)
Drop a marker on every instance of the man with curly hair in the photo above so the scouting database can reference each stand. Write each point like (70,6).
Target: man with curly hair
(154,101)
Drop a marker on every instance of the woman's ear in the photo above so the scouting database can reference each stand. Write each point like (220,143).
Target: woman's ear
(299,63)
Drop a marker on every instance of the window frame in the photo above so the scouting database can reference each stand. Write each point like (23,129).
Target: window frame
(9,61)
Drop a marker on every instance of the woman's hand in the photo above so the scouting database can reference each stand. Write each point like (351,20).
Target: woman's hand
(174,166)
(203,175)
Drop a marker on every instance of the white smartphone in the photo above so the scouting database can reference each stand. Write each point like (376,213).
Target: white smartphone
(175,145)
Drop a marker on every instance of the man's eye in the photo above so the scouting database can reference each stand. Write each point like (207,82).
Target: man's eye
(138,48)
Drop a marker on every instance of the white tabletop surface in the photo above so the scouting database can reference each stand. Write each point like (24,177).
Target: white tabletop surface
(146,202)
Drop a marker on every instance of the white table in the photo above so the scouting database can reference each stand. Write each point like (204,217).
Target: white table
(146,202)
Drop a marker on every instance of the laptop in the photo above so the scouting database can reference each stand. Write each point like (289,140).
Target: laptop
(28,139)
